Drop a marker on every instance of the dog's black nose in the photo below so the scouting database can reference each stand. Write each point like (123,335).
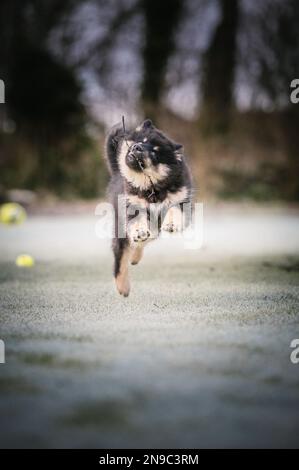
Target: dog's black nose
(136,149)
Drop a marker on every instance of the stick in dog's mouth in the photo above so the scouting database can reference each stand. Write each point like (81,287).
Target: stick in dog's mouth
(141,166)
(140,163)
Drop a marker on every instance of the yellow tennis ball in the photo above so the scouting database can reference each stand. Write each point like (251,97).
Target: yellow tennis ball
(25,261)
(12,213)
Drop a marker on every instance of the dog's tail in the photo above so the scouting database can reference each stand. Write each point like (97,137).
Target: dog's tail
(113,140)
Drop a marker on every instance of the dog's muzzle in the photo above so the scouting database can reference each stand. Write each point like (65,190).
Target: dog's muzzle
(136,156)
(136,149)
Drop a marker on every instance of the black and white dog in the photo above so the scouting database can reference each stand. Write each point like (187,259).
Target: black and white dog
(148,170)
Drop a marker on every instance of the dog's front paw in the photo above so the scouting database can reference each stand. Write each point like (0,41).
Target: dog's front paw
(173,221)
(140,234)
(171,227)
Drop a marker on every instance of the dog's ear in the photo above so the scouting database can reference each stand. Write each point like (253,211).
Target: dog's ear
(178,151)
(178,147)
(147,124)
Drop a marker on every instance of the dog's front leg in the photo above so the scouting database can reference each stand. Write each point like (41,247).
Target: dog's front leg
(138,230)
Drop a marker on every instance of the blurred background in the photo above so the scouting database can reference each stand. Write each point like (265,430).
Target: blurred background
(199,354)
(215,75)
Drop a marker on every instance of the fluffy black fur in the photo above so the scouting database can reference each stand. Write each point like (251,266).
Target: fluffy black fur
(143,151)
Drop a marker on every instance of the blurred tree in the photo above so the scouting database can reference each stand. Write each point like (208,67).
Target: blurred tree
(218,75)
(161,19)
(42,93)
(121,51)
(43,98)
(278,65)
(278,58)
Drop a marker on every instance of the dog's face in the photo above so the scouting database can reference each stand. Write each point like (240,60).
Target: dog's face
(148,152)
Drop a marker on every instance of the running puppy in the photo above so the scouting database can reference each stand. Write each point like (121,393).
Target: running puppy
(150,173)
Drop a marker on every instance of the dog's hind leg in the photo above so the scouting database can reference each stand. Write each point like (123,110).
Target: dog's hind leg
(122,252)
(136,255)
